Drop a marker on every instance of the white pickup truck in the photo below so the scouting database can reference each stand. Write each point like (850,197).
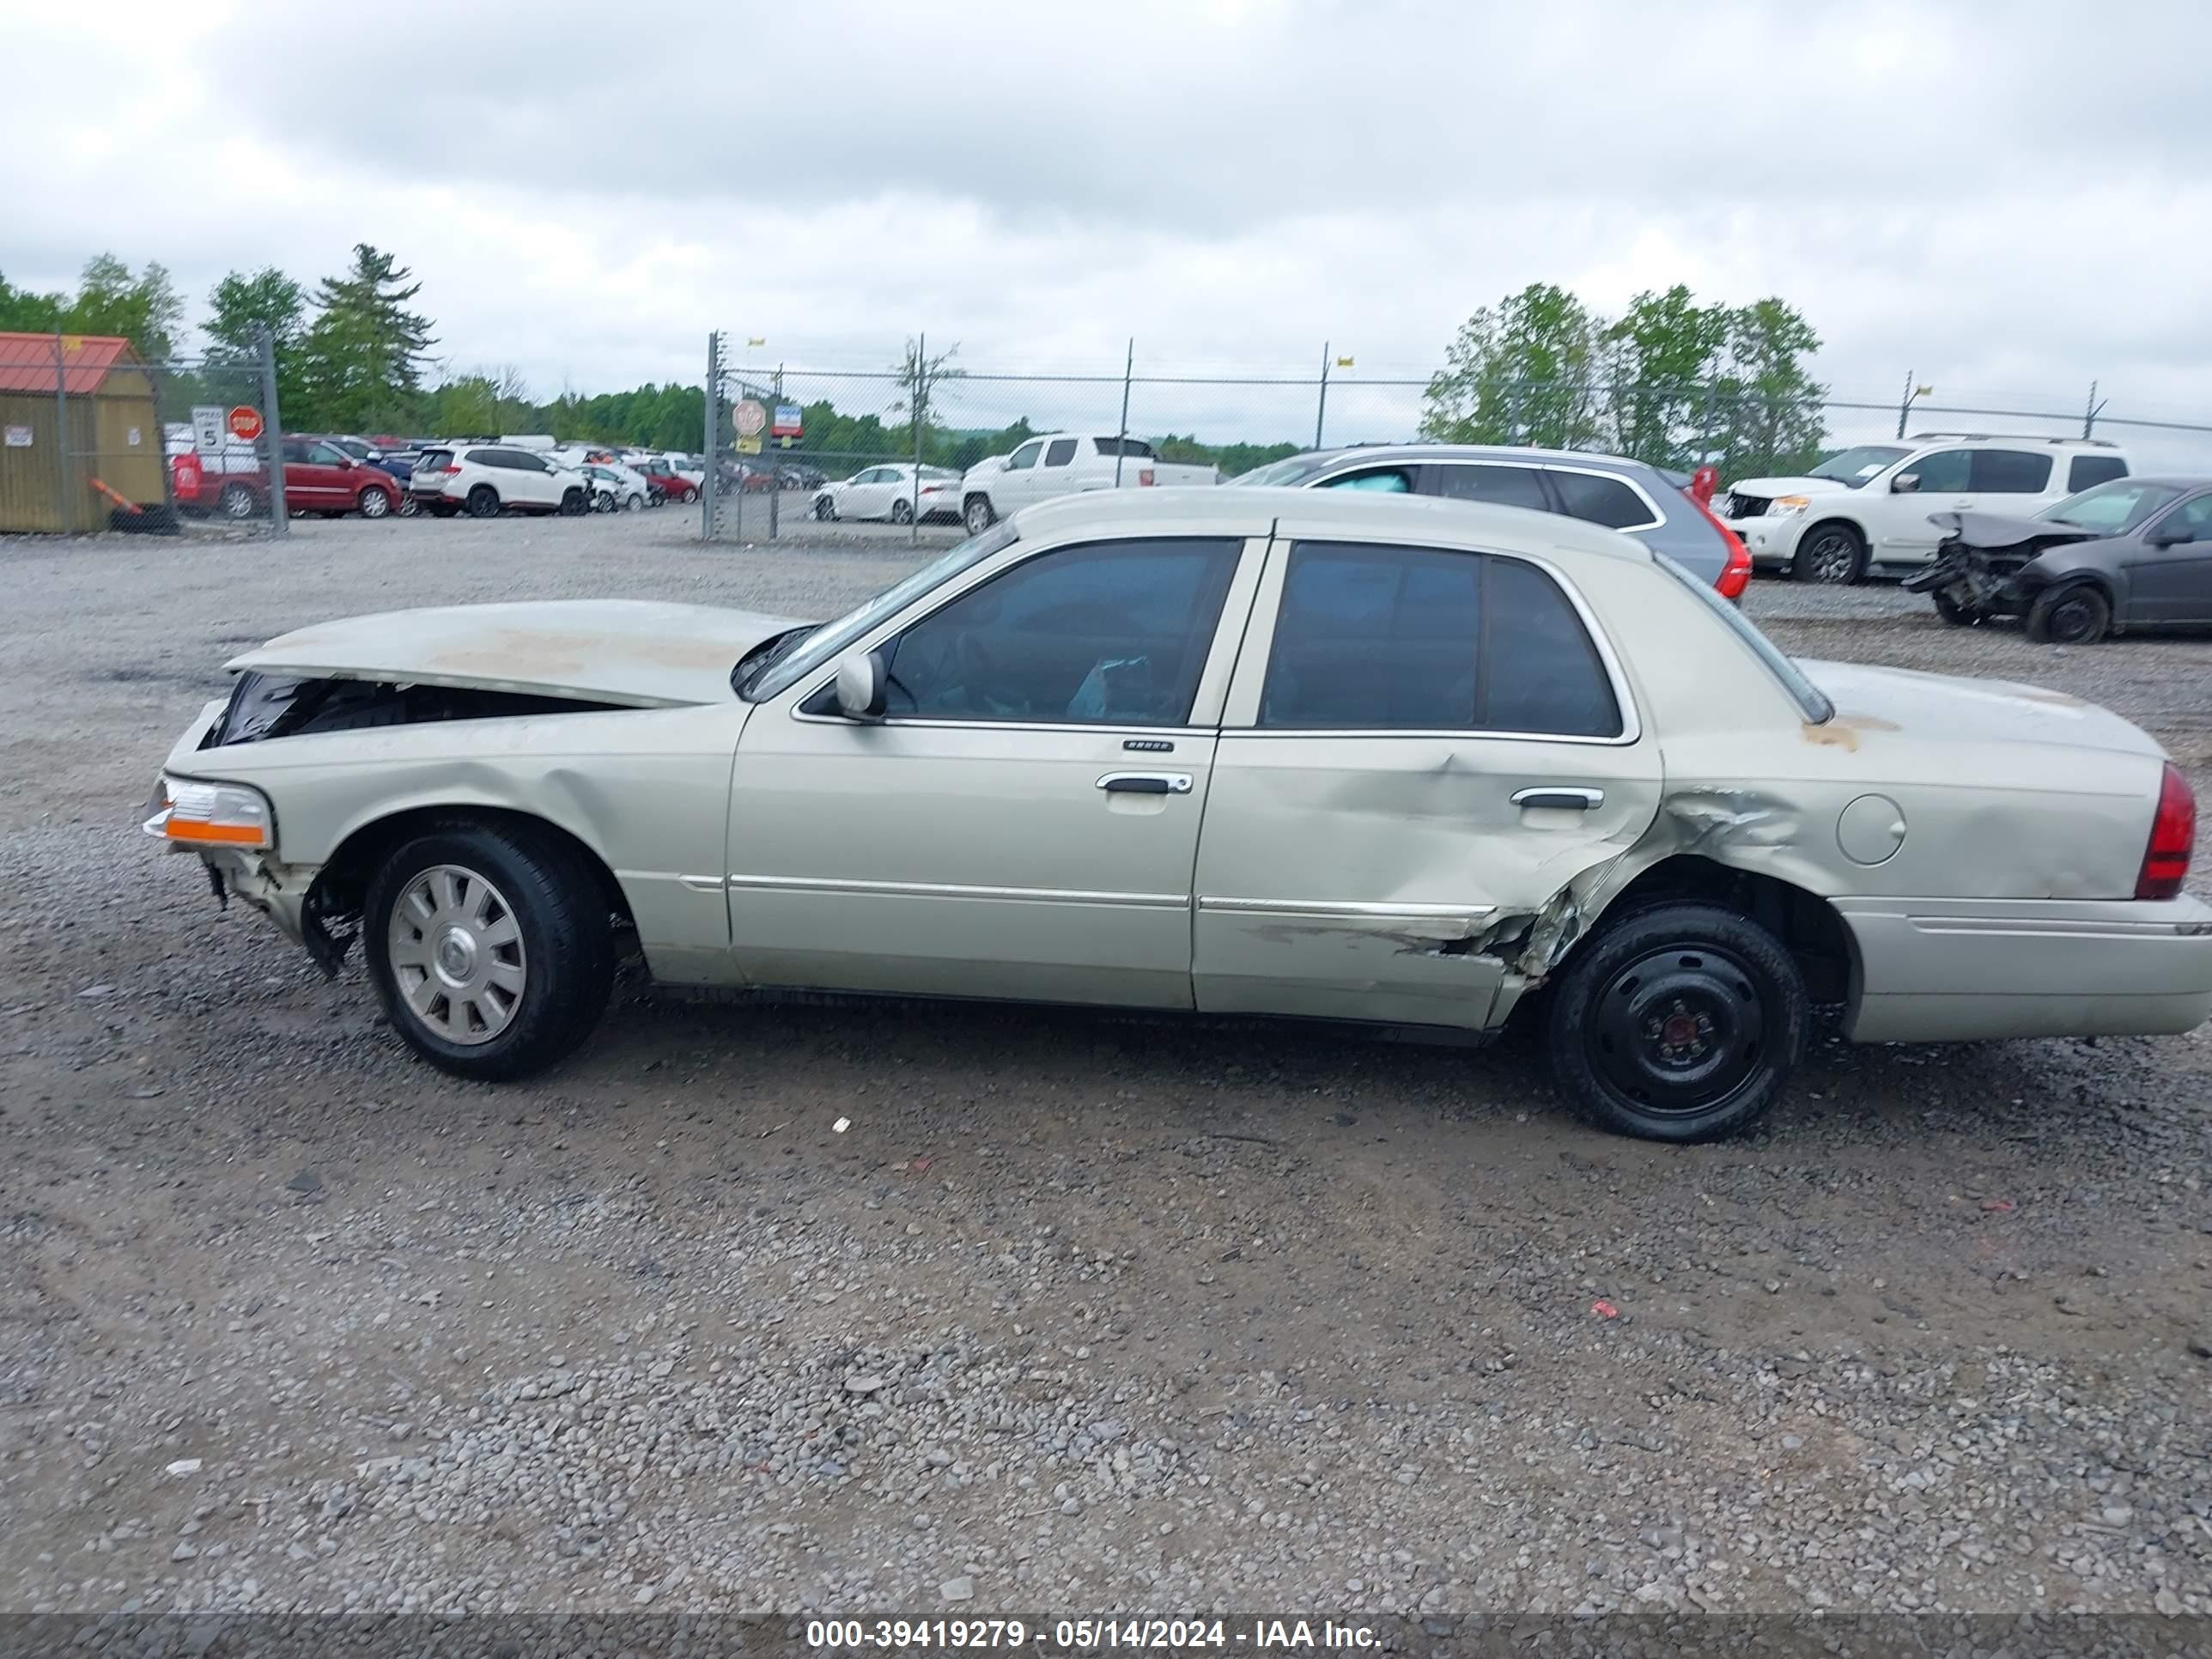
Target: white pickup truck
(1063,463)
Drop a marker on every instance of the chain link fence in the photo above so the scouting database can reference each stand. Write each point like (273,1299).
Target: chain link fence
(94,437)
(895,439)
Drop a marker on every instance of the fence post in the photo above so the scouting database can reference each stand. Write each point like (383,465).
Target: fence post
(775,477)
(63,493)
(1905,402)
(272,434)
(1321,408)
(1122,438)
(920,380)
(710,486)
(1707,448)
(2089,411)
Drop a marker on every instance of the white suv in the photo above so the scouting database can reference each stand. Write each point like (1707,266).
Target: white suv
(481,479)
(1866,507)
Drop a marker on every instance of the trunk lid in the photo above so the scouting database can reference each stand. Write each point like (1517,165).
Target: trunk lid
(641,654)
(1949,710)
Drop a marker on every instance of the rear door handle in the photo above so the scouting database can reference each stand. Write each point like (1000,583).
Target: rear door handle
(1572,800)
(1146,783)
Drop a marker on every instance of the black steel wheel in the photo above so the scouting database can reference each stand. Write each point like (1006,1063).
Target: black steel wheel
(484,502)
(2076,614)
(1679,1023)
(1830,553)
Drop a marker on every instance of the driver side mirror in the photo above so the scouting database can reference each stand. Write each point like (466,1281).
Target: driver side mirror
(2171,534)
(862,680)
(1904,484)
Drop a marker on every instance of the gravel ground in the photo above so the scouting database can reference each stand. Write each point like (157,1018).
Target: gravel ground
(1082,1313)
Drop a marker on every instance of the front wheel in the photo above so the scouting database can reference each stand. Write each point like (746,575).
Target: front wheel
(484,502)
(1952,611)
(825,509)
(490,948)
(1830,553)
(1680,1023)
(572,503)
(979,515)
(2076,614)
(374,504)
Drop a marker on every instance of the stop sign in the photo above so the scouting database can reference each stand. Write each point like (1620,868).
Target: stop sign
(246,422)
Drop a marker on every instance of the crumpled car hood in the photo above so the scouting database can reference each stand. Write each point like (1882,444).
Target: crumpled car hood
(1952,709)
(641,654)
(1992,531)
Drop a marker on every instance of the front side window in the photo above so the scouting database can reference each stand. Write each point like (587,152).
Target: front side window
(2010,472)
(2196,517)
(1389,480)
(327,455)
(1942,470)
(1507,486)
(1060,453)
(2088,470)
(1596,499)
(1415,639)
(1024,458)
(1108,634)
(523,461)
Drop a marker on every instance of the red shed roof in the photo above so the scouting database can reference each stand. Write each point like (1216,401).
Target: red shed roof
(27,361)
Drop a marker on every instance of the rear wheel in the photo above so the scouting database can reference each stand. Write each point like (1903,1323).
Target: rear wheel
(374,503)
(1832,553)
(236,501)
(690,494)
(1679,1023)
(409,506)
(490,948)
(483,501)
(2076,614)
(633,503)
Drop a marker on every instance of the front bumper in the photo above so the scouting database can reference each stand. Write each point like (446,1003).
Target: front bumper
(1771,541)
(1949,970)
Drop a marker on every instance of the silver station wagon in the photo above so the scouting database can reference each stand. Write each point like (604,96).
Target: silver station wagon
(1255,752)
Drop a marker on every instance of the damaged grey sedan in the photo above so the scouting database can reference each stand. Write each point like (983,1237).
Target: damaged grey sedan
(1397,761)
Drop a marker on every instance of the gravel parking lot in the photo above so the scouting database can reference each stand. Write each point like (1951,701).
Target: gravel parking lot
(1082,1313)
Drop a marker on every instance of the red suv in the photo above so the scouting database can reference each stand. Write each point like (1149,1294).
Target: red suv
(319,478)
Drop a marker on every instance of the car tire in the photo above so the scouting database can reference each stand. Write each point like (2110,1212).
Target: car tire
(1679,1023)
(979,515)
(1958,615)
(2069,613)
(236,501)
(409,507)
(633,503)
(825,510)
(572,504)
(484,502)
(491,949)
(690,494)
(901,513)
(1833,553)
(374,504)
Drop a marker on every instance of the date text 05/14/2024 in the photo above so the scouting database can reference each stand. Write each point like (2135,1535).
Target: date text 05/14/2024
(1088,1635)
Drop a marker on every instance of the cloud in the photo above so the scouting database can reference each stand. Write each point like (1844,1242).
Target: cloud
(1982,194)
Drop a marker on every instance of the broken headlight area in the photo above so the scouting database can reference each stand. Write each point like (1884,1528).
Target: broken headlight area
(264,706)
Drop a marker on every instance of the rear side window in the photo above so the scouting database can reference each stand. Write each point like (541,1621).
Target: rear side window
(1414,639)
(1135,449)
(1507,486)
(1598,499)
(487,458)
(2010,472)
(1060,453)
(2089,471)
(1390,480)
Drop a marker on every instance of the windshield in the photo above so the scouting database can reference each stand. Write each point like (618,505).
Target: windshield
(1293,470)
(1854,466)
(834,637)
(1810,699)
(2115,508)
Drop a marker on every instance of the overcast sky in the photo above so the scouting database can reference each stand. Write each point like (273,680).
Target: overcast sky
(2009,199)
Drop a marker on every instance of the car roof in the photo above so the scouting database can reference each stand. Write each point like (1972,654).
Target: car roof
(1326,514)
(2166,480)
(1431,452)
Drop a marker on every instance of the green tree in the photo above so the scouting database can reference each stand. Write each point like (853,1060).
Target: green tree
(23,312)
(1661,358)
(143,309)
(1519,373)
(364,354)
(1770,411)
(239,307)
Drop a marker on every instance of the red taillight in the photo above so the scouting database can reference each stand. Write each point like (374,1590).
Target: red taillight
(1736,574)
(1144,477)
(447,471)
(2173,839)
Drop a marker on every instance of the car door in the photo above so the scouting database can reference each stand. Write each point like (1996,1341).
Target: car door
(1058,472)
(320,479)
(1499,483)
(2018,482)
(1016,488)
(534,481)
(868,495)
(2171,584)
(1897,522)
(1022,821)
(1427,747)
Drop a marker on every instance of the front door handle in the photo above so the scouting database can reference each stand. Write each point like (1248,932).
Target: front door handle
(1146,783)
(1572,800)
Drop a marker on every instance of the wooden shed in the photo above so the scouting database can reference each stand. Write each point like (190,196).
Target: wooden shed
(76,411)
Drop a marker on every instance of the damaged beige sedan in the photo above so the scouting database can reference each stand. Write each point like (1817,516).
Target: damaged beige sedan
(1405,763)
